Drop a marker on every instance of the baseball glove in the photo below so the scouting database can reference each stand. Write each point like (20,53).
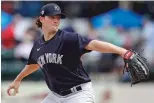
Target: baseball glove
(136,66)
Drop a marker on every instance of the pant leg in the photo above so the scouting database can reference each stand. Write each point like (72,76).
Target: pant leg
(85,96)
(51,98)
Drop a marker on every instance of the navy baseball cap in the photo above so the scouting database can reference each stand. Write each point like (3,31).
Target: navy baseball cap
(51,9)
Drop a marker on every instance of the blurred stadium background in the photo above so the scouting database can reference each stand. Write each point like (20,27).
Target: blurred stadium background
(129,24)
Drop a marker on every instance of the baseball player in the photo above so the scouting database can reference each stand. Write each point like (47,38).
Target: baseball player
(58,54)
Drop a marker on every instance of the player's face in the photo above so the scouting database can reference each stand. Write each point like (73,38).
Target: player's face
(51,23)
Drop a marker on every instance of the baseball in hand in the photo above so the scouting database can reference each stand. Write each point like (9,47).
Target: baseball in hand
(12,92)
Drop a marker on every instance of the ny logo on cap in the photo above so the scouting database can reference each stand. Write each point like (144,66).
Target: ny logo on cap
(57,8)
(42,12)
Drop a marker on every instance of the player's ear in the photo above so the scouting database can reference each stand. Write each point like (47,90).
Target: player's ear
(41,18)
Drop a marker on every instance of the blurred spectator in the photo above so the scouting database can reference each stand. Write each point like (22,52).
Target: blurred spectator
(124,37)
(8,26)
(148,35)
(8,40)
(23,49)
(91,60)
(109,34)
(22,24)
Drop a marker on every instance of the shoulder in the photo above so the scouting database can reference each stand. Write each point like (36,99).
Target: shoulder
(68,36)
(68,33)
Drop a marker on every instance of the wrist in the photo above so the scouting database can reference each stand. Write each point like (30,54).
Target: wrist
(123,52)
(128,54)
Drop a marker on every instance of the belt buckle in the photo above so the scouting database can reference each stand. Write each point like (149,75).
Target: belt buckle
(73,89)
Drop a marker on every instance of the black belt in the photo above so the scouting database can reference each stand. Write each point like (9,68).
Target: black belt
(69,91)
